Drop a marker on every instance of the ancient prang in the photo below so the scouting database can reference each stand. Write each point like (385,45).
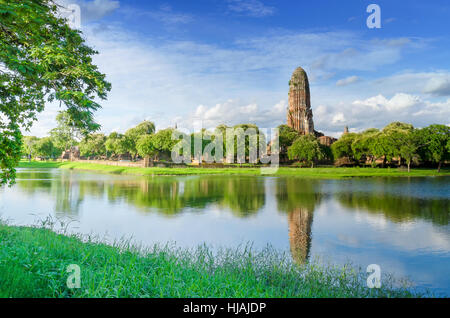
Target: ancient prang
(300,115)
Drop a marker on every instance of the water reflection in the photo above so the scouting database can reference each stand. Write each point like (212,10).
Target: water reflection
(400,223)
(399,201)
(298,198)
(165,195)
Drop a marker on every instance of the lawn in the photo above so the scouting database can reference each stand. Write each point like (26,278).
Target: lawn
(320,172)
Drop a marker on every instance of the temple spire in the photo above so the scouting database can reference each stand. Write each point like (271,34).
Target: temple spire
(300,115)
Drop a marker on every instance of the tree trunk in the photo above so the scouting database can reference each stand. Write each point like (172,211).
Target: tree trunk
(312,164)
(409,165)
(439,166)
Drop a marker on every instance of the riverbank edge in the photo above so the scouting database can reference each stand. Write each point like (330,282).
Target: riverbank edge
(320,172)
(34,262)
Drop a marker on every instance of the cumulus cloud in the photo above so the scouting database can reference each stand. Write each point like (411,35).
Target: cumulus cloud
(435,83)
(347,81)
(439,85)
(232,112)
(253,8)
(378,111)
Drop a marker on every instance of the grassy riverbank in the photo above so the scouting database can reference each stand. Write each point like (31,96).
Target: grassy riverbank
(33,263)
(329,172)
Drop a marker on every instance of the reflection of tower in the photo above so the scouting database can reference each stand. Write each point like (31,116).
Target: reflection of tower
(300,220)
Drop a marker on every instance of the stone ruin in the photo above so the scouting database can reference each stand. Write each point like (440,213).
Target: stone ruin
(299,114)
(71,154)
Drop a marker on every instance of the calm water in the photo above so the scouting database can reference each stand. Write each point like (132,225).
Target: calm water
(401,224)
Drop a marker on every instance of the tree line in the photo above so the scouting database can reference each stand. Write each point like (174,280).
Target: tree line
(398,143)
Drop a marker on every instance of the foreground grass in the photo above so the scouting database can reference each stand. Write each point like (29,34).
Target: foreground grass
(33,263)
(327,173)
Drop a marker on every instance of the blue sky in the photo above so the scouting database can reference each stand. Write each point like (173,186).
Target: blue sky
(207,62)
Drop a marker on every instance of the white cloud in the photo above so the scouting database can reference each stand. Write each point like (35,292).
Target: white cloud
(253,8)
(378,111)
(232,112)
(347,81)
(439,85)
(435,83)
(338,118)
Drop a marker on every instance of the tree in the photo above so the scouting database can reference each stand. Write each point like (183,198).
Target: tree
(41,59)
(436,140)
(392,138)
(343,146)
(28,145)
(364,145)
(66,133)
(157,144)
(133,134)
(306,148)
(287,136)
(410,144)
(110,143)
(44,147)
(146,147)
(93,145)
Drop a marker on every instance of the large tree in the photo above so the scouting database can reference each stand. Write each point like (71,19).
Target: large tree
(66,134)
(132,135)
(93,145)
(45,148)
(307,149)
(436,141)
(41,60)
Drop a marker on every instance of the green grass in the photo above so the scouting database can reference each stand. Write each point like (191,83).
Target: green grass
(321,172)
(33,263)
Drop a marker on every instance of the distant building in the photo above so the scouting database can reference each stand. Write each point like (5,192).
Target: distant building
(326,140)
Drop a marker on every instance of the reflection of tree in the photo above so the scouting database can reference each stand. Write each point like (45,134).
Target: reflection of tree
(298,197)
(67,193)
(244,196)
(398,208)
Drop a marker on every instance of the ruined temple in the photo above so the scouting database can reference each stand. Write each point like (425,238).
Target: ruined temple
(300,115)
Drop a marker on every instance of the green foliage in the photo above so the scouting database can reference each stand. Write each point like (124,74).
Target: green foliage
(436,139)
(145,146)
(117,144)
(28,144)
(159,143)
(287,136)
(307,149)
(45,148)
(364,145)
(132,135)
(66,133)
(343,147)
(93,145)
(42,59)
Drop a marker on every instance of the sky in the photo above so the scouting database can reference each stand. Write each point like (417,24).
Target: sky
(201,63)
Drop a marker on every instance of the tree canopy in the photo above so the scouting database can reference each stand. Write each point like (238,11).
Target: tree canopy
(42,60)
(307,149)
